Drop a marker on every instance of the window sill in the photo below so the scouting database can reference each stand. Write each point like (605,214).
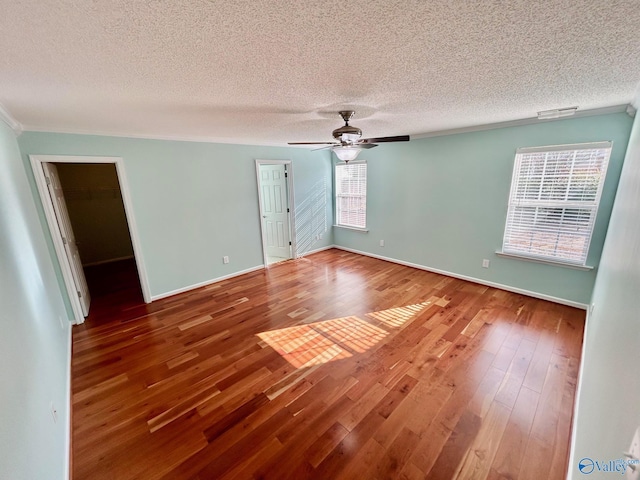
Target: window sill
(363,230)
(545,261)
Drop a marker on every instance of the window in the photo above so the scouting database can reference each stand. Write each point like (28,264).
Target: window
(351,194)
(554,199)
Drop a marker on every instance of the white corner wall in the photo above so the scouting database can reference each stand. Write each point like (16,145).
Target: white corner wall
(35,338)
(608,408)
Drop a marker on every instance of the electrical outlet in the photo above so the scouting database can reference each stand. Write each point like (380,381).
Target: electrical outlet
(225,259)
(54,412)
(485,263)
(382,243)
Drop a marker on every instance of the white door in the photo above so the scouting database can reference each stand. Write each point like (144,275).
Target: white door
(275,211)
(68,239)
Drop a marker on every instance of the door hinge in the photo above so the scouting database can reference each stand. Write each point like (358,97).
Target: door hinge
(64,241)
(285,174)
(48,180)
(79,295)
(288,210)
(289,243)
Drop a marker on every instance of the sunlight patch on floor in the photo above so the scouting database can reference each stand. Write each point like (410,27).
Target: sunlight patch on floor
(325,341)
(321,342)
(397,317)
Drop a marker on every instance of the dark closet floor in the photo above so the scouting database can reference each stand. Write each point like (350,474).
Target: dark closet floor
(115,291)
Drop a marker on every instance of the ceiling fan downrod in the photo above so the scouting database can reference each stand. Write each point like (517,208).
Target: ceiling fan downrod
(347,133)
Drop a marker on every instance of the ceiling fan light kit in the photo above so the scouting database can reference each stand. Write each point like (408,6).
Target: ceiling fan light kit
(346,153)
(348,144)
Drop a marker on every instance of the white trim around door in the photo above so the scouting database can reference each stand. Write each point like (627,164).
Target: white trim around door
(290,205)
(41,183)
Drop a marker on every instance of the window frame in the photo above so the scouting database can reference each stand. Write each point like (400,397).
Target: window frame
(592,205)
(337,195)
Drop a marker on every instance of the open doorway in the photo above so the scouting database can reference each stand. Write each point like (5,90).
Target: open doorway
(275,198)
(89,215)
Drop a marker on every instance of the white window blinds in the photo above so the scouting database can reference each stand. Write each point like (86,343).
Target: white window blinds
(555,192)
(351,194)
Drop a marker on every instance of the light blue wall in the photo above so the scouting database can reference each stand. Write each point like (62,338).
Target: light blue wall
(441,202)
(609,397)
(34,344)
(197,202)
(438,202)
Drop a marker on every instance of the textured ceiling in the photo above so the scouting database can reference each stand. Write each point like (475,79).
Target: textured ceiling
(268,72)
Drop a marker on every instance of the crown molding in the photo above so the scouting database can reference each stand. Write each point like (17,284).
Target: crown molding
(522,121)
(7,118)
(144,136)
(19,128)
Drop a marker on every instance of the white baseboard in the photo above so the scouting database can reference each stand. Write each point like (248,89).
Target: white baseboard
(225,277)
(67,406)
(501,286)
(111,260)
(205,283)
(576,401)
(321,249)
(508,288)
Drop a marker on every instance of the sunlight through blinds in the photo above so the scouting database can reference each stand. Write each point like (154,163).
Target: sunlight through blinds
(351,194)
(555,192)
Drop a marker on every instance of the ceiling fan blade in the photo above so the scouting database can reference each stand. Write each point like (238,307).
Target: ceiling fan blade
(399,138)
(364,146)
(312,143)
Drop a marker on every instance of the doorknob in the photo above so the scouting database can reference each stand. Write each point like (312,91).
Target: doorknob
(264,216)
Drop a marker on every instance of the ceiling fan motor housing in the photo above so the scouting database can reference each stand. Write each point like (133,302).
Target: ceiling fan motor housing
(353,132)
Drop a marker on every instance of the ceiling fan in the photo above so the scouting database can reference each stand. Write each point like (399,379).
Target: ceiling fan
(348,144)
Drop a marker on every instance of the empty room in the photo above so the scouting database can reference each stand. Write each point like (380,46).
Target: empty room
(323,240)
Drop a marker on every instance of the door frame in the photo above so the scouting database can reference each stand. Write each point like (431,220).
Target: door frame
(291,206)
(54,230)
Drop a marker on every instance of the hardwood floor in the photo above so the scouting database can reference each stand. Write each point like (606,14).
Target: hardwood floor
(335,366)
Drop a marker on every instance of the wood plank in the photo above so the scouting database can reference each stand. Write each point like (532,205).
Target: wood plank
(456,448)
(361,464)
(536,464)
(326,443)
(479,457)
(510,453)
(396,455)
